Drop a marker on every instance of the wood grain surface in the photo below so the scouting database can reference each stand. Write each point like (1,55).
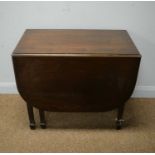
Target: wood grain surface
(76,42)
(75,71)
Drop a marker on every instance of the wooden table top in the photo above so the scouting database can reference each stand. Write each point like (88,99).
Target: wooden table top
(76,42)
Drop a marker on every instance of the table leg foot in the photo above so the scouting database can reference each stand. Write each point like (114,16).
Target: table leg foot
(32,126)
(43,125)
(119,124)
(42,119)
(119,120)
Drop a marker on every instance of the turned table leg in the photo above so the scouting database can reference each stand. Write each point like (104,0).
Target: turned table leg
(31,116)
(119,119)
(42,119)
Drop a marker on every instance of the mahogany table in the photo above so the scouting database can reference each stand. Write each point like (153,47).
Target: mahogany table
(75,71)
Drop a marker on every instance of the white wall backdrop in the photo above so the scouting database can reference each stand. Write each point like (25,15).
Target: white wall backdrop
(136,17)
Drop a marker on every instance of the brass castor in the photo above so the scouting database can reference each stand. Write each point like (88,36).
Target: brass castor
(32,126)
(119,123)
(43,125)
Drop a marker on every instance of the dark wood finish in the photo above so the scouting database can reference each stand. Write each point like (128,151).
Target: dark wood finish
(58,42)
(119,119)
(76,83)
(31,116)
(76,70)
(42,119)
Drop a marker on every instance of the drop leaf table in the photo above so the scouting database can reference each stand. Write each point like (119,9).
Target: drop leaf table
(72,70)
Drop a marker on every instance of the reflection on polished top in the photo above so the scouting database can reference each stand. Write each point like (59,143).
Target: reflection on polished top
(76,42)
